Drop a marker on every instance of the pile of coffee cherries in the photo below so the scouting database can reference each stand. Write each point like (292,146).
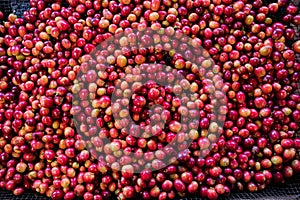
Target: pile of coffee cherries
(148,99)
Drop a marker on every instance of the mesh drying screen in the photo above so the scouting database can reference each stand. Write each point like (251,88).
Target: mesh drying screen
(19,6)
(5,6)
(290,190)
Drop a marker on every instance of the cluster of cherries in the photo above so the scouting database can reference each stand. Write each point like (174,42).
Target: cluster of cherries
(84,112)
